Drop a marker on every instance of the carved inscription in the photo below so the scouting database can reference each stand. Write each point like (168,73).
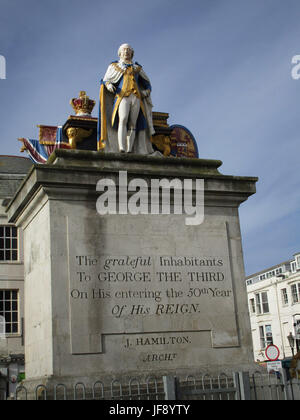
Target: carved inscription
(156,303)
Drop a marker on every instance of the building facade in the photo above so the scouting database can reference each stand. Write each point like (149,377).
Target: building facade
(13,170)
(274,307)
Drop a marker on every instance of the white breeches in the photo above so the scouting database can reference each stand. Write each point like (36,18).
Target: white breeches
(129,109)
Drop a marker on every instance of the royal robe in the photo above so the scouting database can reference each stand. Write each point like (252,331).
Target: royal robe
(118,75)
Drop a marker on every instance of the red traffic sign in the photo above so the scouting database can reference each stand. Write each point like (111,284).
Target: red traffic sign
(272,352)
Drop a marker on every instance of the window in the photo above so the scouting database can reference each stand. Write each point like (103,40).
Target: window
(270,274)
(258,303)
(295,289)
(264,301)
(298,261)
(293,267)
(2,327)
(262,304)
(252,306)
(284,297)
(8,243)
(262,337)
(265,335)
(9,304)
(297,328)
(269,336)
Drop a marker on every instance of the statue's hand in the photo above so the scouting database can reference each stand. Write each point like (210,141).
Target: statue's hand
(145,93)
(110,87)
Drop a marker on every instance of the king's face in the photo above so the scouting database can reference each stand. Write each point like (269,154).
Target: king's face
(126,54)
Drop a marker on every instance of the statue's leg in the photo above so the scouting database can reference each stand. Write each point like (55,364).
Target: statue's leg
(124,109)
(133,116)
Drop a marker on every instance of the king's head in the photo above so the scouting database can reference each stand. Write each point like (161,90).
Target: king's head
(126,53)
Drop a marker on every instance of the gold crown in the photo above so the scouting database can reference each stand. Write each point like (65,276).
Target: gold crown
(82,105)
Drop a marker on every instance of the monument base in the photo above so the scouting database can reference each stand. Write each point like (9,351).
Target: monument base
(121,295)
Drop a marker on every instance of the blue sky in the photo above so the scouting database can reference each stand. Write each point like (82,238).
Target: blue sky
(222,68)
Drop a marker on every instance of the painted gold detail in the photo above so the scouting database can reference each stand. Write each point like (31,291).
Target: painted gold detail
(163,143)
(23,148)
(76,135)
(82,105)
(103,134)
(129,86)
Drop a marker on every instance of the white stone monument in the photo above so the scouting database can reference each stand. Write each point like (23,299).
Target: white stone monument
(108,296)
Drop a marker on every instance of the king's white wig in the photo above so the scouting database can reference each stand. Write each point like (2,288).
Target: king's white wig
(125,46)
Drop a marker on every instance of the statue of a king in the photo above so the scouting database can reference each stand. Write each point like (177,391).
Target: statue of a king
(125,112)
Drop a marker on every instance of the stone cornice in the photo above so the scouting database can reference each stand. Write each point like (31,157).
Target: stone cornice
(76,172)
